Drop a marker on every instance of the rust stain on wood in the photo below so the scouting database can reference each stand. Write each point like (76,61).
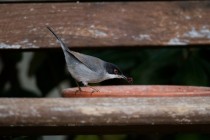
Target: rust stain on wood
(105,24)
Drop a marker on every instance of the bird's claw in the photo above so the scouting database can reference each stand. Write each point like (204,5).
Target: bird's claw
(77,91)
(94,90)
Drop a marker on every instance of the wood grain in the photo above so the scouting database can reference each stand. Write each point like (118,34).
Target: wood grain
(107,24)
(104,115)
(25,1)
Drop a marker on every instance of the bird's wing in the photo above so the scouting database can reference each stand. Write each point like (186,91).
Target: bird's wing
(91,62)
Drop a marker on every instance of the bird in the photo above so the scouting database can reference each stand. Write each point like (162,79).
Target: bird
(87,69)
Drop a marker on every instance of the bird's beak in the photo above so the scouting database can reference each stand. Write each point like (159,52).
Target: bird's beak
(128,79)
(123,77)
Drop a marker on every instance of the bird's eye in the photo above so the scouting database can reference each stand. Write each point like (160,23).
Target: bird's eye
(115,71)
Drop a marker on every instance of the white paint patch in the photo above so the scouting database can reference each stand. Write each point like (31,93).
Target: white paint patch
(177,41)
(83,121)
(61,109)
(204,32)
(28,44)
(123,10)
(94,111)
(3,107)
(96,32)
(141,37)
(187,17)
(7,46)
(54,118)
(24,43)
(35,112)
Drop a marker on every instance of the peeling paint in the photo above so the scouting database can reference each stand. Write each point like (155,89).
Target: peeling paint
(204,32)
(187,17)
(3,107)
(94,111)
(83,121)
(34,112)
(141,37)
(123,10)
(7,46)
(54,118)
(28,44)
(32,9)
(177,41)
(183,120)
(96,32)
(61,109)
(23,44)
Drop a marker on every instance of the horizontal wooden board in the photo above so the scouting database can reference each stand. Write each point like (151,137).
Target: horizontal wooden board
(104,115)
(2,1)
(105,24)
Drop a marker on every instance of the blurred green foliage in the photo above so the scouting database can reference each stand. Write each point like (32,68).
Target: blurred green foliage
(174,66)
(166,66)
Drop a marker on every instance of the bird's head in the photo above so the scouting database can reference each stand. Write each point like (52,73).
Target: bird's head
(112,71)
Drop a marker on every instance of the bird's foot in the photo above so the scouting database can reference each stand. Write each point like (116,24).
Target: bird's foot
(94,90)
(78,91)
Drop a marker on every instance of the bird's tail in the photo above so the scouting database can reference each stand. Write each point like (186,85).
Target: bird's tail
(64,47)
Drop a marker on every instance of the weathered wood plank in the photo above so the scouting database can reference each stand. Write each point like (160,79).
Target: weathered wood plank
(86,0)
(103,115)
(105,24)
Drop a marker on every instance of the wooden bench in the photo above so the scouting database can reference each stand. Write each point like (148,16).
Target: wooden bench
(130,24)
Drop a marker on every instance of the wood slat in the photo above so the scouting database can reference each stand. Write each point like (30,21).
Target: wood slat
(105,24)
(103,115)
(29,1)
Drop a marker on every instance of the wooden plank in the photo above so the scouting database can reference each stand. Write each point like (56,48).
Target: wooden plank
(103,115)
(105,24)
(29,1)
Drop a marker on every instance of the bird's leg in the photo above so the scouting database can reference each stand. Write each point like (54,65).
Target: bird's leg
(78,87)
(93,89)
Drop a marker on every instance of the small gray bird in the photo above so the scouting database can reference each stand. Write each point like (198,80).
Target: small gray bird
(88,69)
